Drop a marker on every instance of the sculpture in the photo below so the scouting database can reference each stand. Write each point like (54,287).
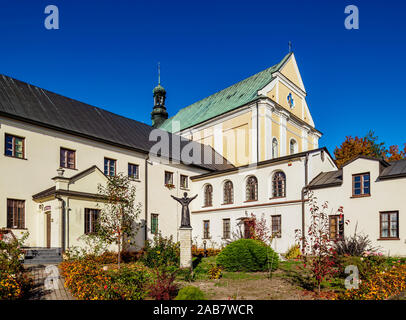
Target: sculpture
(185,222)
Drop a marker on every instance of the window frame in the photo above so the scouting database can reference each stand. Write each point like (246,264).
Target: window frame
(138,171)
(206,202)
(275,148)
(66,155)
(226,232)
(293,143)
(171,175)
(154,217)
(381,213)
(275,195)
(278,233)
(226,191)
(186,180)
(90,224)
(20,220)
(248,192)
(362,185)
(340,222)
(206,233)
(13,152)
(115,167)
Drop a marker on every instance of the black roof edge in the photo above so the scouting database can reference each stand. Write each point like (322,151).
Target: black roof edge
(265,162)
(360,156)
(392,176)
(322,186)
(75,133)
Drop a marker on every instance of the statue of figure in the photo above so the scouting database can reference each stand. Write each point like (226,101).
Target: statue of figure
(185,222)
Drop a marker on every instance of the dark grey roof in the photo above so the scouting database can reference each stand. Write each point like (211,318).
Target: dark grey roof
(327,179)
(396,169)
(28,103)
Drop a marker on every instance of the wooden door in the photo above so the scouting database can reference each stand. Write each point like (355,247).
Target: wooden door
(48,229)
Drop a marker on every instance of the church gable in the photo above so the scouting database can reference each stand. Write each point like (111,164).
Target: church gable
(291,71)
(88,181)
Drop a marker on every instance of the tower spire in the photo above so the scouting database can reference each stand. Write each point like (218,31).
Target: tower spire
(159,73)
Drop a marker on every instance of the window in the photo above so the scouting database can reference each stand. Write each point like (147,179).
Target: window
(91,216)
(252,189)
(279,185)
(67,159)
(361,185)
(154,223)
(389,225)
(274,148)
(168,178)
(184,181)
(206,229)
(276,226)
(226,228)
(336,227)
(228,192)
(208,195)
(293,146)
(15,214)
(109,167)
(14,146)
(133,171)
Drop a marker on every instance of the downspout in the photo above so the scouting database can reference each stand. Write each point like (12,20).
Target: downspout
(257,132)
(304,191)
(146,200)
(62,207)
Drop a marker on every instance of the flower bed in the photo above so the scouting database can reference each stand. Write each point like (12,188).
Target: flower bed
(88,281)
(210,252)
(380,285)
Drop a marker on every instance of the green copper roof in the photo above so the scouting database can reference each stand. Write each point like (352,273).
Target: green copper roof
(158,88)
(223,101)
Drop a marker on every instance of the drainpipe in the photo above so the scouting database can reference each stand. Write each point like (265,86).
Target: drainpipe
(257,132)
(62,207)
(304,191)
(146,200)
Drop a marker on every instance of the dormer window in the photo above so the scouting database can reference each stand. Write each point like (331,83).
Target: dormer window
(361,185)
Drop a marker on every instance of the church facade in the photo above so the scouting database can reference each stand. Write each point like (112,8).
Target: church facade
(251,149)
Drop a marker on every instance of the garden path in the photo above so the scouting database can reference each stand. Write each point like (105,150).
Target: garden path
(48,283)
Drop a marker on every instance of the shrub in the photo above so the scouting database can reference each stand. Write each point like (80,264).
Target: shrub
(215,272)
(163,287)
(86,280)
(293,252)
(248,255)
(355,245)
(161,252)
(190,293)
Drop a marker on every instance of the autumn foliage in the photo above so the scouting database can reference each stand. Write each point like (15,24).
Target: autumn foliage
(367,146)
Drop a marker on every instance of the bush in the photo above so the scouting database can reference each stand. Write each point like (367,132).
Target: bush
(293,252)
(215,272)
(86,280)
(355,245)
(163,287)
(199,252)
(248,255)
(161,252)
(190,293)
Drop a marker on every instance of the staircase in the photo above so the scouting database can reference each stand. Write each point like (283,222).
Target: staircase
(43,256)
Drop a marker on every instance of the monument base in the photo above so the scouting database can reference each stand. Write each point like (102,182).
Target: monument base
(185,237)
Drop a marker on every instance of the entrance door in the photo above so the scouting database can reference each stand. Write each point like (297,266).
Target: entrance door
(48,229)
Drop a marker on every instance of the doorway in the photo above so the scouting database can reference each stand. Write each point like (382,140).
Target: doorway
(48,229)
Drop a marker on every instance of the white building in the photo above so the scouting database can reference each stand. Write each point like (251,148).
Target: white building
(253,149)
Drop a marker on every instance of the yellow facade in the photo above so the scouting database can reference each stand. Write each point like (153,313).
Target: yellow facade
(289,71)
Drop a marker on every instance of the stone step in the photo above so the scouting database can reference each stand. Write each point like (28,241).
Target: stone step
(42,255)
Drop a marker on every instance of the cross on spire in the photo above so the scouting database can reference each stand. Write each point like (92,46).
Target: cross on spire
(290,46)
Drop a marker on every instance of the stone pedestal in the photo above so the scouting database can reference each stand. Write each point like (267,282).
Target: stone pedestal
(185,236)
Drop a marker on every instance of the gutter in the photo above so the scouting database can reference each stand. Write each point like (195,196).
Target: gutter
(146,200)
(62,205)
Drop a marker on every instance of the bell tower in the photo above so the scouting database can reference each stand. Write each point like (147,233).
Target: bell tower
(159,113)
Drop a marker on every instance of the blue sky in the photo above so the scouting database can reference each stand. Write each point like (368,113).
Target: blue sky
(106,52)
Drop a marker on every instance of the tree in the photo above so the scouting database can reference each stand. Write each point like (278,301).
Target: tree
(117,218)
(366,146)
(318,249)
(259,229)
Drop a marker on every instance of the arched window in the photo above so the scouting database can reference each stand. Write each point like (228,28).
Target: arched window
(208,195)
(228,192)
(274,148)
(293,146)
(279,185)
(252,189)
